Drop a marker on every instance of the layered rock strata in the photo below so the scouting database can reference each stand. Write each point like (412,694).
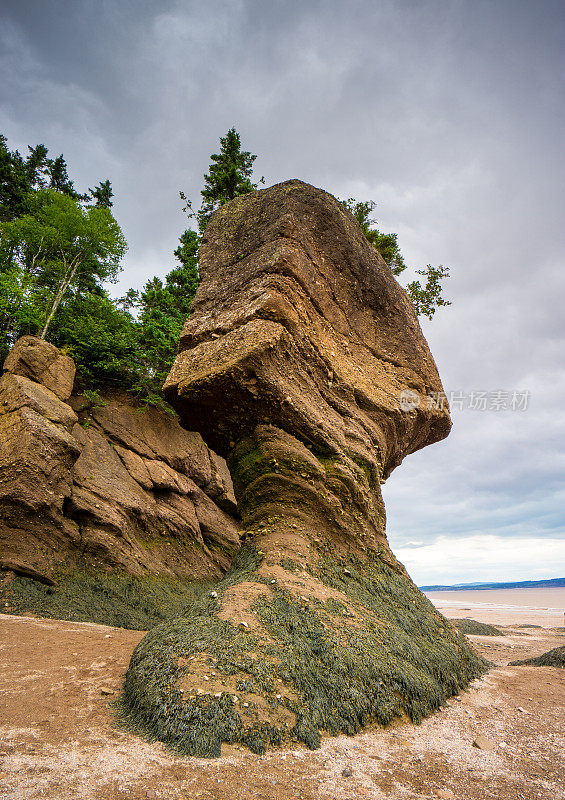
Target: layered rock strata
(113,486)
(296,365)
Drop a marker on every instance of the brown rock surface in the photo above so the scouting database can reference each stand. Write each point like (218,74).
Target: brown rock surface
(42,362)
(298,350)
(299,325)
(294,364)
(17,392)
(128,488)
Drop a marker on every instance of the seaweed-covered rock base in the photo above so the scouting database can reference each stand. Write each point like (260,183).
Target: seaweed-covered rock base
(275,653)
(295,365)
(553,658)
(471,627)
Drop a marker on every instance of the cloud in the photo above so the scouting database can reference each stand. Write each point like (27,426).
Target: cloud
(486,558)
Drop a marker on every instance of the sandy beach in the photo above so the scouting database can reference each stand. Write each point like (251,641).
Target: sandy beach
(545,606)
(59,738)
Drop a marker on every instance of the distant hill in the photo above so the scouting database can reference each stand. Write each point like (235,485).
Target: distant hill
(554,583)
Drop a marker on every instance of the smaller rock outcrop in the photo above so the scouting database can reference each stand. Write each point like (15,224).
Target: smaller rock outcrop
(111,486)
(43,363)
(553,658)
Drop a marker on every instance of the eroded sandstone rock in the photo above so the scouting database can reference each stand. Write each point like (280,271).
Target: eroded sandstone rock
(123,487)
(44,363)
(294,363)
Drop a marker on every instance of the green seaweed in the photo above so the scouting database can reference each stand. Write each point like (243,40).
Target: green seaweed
(289,564)
(116,599)
(553,658)
(402,658)
(473,628)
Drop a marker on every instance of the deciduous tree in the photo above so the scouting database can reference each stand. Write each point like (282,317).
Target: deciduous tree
(426,297)
(60,245)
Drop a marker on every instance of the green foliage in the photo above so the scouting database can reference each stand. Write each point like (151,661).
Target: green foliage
(102,194)
(56,253)
(18,177)
(426,298)
(163,306)
(21,176)
(163,309)
(155,400)
(59,178)
(20,313)
(56,247)
(59,248)
(93,398)
(101,338)
(385,243)
(229,176)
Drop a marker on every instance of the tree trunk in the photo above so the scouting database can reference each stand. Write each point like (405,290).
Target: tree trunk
(64,285)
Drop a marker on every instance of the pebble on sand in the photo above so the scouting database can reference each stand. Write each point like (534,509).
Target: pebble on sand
(482,743)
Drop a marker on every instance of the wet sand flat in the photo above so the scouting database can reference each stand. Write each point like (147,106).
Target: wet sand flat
(59,738)
(535,606)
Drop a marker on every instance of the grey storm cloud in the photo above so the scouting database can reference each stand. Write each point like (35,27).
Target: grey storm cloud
(448,113)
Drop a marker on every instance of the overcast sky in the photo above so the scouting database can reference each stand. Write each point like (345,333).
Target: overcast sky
(448,113)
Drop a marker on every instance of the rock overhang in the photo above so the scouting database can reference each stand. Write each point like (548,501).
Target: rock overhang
(300,322)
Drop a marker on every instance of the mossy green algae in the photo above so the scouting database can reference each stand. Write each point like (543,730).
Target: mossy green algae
(401,657)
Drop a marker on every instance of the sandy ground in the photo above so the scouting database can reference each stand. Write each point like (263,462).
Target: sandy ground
(58,738)
(545,606)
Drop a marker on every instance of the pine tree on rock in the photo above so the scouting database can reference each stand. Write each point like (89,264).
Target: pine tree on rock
(103,194)
(229,176)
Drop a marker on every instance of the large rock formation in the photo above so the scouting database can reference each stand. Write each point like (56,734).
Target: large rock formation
(114,486)
(296,363)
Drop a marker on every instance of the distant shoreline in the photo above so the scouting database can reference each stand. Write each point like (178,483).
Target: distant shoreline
(539,605)
(553,583)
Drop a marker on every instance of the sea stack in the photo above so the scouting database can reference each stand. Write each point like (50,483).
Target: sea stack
(304,365)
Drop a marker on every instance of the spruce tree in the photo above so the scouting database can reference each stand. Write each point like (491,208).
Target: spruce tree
(102,194)
(59,178)
(229,176)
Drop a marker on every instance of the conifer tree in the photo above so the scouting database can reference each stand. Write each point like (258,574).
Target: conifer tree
(229,176)
(102,194)
(164,307)
(59,178)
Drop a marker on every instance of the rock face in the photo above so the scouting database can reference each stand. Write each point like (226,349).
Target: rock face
(303,363)
(299,348)
(42,362)
(116,486)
